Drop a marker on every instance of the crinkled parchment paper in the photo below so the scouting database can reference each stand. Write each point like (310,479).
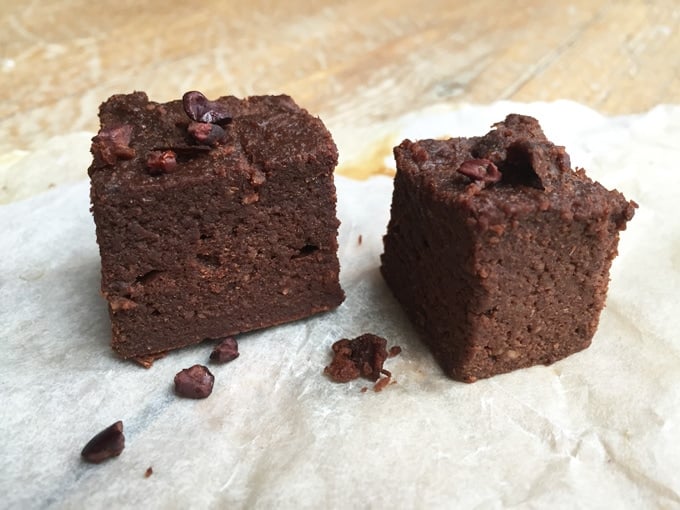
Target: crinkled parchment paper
(597,430)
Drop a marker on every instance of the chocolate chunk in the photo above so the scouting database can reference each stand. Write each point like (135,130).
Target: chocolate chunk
(225,351)
(361,357)
(110,442)
(200,109)
(194,382)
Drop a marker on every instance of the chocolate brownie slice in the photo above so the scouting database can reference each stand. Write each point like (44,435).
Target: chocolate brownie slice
(497,250)
(213,217)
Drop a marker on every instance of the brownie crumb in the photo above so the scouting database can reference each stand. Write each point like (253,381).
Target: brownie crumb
(395,350)
(148,360)
(148,472)
(380,385)
(110,442)
(225,351)
(194,382)
(360,239)
(361,357)
(364,389)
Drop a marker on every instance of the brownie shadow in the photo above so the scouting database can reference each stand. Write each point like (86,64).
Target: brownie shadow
(80,284)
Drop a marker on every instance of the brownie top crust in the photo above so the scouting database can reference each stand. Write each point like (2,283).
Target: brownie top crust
(509,173)
(269,133)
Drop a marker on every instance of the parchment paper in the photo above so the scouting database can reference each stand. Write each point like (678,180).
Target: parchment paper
(597,430)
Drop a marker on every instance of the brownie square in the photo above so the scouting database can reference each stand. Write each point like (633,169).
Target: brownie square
(497,250)
(213,217)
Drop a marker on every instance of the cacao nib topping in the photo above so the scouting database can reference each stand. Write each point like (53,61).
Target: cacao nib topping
(113,143)
(110,442)
(225,351)
(480,170)
(161,162)
(200,109)
(207,134)
(194,382)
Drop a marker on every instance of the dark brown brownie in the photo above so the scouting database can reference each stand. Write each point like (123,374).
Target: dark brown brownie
(498,250)
(212,225)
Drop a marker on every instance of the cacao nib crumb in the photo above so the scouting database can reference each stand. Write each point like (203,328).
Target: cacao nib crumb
(110,442)
(198,108)
(361,357)
(207,134)
(158,162)
(113,143)
(225,351)
(480,170)
(395,350)
(194,382)
(148,472)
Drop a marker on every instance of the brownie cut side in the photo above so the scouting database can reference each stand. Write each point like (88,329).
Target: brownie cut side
(213,218)
(497,250)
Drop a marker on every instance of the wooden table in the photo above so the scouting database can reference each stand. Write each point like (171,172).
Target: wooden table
(357,64)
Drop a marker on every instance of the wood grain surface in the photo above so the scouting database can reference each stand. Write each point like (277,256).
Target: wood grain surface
(357,64)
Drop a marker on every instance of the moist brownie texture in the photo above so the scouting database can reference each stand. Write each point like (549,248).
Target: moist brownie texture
(497,250)
(212,217)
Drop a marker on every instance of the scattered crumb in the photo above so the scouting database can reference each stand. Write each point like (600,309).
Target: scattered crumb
(148,360)
(360,240)
(148,472)
(363,356)
(378,386)
(381,384)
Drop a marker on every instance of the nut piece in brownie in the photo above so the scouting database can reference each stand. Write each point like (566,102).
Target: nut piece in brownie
(213,217)
(497,250)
